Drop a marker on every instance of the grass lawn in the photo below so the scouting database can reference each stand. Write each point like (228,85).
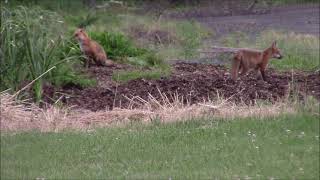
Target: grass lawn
(285,147)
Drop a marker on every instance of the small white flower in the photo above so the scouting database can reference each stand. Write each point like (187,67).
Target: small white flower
(257,147)
(288,130)
(41,17)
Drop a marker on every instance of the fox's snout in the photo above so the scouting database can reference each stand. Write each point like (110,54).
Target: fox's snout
(278,56)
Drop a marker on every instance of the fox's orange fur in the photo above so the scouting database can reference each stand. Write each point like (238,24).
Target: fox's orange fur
(248,59)
(91,49)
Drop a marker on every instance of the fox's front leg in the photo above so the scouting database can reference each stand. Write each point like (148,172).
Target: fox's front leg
(244,69)
(87,61)
(262,71)
(258,73)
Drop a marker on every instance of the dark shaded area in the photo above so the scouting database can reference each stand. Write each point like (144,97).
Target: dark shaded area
(196,83)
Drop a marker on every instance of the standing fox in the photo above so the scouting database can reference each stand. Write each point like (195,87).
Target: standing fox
(248,59)
(91,49)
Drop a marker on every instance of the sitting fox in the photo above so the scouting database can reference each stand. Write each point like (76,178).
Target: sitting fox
(91,49)
(248,59)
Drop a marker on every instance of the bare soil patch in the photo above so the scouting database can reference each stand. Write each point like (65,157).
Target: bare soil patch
(193,82)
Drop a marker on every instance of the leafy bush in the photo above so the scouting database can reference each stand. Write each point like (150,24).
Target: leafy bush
(120,48)
(117,45)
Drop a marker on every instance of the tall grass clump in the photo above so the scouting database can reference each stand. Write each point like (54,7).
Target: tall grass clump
(32,43)
(300,51)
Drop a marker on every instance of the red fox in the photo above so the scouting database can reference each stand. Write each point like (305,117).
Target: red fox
(91,49)
(248,59)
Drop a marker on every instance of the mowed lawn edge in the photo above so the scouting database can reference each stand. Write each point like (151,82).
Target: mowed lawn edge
(283,147)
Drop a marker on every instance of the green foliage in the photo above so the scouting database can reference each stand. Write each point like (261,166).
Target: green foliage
(285,147)
(32,43)
(120,48)
(117,45)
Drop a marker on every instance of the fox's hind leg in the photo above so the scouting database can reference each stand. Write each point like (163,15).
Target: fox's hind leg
(244,69)
(235,67)
(263,74)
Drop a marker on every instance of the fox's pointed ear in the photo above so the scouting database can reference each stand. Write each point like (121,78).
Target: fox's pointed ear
(274,44)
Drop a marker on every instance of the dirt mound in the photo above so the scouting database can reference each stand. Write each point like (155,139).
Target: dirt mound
(195,83)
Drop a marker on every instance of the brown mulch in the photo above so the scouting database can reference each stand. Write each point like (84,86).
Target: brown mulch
(195,82)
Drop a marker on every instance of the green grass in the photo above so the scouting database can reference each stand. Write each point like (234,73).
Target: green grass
(286,147)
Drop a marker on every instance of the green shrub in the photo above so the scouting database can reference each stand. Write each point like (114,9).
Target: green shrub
(117,45)
(120,48)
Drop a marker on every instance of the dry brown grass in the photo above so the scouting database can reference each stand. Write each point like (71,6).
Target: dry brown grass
(20,116)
